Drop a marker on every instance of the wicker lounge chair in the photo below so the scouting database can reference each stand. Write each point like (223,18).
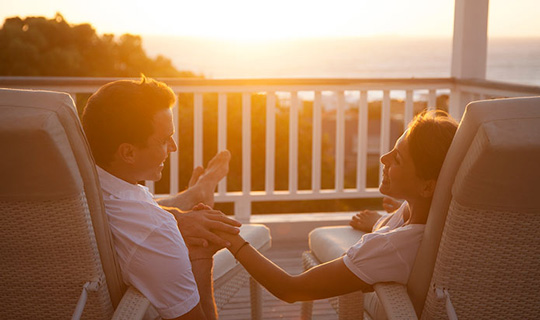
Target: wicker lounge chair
(58,260)
(481,248)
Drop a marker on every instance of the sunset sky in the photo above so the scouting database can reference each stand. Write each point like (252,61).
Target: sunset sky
(252,20)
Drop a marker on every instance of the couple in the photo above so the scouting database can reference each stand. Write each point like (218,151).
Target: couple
(165,246)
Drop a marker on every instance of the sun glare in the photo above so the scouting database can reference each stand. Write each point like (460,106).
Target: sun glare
(252,21)
(255,21)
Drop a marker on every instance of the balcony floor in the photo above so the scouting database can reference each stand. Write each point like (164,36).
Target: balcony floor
(287,255)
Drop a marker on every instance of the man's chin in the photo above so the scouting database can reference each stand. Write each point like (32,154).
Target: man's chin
(155,177)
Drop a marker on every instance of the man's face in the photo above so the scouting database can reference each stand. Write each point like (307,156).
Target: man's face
(149,160)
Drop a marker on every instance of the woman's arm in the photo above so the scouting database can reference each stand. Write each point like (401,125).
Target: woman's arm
(326,280)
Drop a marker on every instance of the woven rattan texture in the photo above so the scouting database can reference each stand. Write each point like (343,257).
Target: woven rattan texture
(223,294)
(396,300)
(132,306)
(490,263)
(48,253)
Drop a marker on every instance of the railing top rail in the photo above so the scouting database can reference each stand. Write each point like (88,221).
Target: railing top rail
(189,85)
(89,84)
(16,80)
(497,85)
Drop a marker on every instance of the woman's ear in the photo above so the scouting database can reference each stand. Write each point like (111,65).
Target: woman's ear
(428,188)
(126,153)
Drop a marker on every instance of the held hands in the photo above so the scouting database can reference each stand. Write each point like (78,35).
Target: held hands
(198,226)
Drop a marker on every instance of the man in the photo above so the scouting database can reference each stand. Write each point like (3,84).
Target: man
(130,128)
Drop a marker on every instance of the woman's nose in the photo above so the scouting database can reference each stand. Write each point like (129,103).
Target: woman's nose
(384,158)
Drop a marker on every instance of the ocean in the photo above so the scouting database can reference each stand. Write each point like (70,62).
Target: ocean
(514,60)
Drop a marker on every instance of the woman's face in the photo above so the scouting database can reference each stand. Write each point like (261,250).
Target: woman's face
(399,173)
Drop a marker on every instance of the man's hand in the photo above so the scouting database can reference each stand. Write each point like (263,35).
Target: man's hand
(197,226)
(197,252)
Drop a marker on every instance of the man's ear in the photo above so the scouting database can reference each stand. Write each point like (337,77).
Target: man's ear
(428,188)
(126,153)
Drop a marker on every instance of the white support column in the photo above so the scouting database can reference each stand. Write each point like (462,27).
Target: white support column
(469,50)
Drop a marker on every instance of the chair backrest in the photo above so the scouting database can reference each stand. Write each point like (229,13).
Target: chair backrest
(487,202)
(54,231)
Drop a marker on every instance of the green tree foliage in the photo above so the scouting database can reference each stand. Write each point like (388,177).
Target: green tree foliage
(37,46)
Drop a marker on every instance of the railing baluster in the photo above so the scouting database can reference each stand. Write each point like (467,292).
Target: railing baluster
(316,144)
(361,156)
(340,141)
(409,108)
(173,161)
(197,130)
(270,141)
(293,143)
(432,99)
(222,135)
(243,211)
(385,127)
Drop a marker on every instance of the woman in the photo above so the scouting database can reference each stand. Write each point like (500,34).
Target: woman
(410,173)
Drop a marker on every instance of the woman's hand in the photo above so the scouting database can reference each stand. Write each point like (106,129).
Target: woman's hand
(365,220)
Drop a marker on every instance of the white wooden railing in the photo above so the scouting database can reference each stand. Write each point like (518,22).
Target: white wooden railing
(295,90)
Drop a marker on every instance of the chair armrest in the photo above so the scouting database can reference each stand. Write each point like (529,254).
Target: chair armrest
(132,306)
(395,300)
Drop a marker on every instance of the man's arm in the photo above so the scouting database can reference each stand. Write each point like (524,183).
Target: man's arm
(206,308)
(202,270)
(202,265)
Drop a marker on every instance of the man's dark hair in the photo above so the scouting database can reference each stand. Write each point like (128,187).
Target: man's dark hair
(123,112)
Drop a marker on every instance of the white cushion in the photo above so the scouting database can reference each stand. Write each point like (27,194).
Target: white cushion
(329,243)
(257,235)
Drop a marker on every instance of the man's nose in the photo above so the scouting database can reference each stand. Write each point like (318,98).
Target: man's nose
(172,146)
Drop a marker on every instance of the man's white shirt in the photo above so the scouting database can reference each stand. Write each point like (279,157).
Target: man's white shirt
(151,251)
